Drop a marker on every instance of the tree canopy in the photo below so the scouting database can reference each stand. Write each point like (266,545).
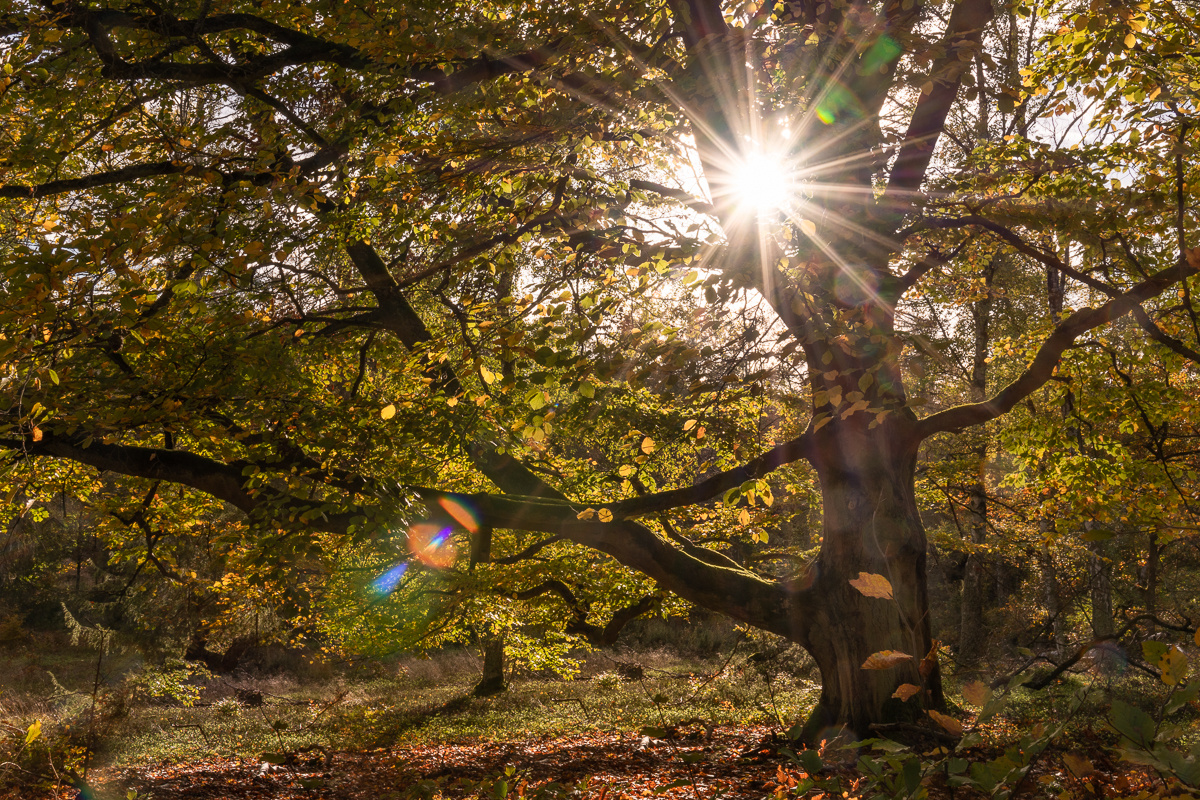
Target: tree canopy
(597,308)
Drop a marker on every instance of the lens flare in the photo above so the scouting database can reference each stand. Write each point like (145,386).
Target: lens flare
(461,513)
(386,583)
(431,545)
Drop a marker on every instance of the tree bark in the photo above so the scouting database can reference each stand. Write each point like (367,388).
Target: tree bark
(871,525)
(971,628)
(1151,580)
(1052,593)
(492,681)
(1100,572)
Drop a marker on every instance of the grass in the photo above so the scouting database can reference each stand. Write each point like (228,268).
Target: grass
(402,702)
(412,702)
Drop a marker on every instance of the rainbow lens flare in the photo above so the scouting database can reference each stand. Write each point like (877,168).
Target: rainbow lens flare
(431,545)
(386,583)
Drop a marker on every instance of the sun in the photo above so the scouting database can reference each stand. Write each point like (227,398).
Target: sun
(764,182)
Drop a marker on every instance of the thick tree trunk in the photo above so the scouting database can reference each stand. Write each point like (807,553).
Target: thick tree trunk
(871,525)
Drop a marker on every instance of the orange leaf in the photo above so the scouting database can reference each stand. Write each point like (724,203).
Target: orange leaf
(1080,766)
(872,585)
(976,693)
(949,723)
(905,691)
(930,660)
(885,659)
(37,433)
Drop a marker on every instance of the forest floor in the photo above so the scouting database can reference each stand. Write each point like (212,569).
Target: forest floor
(631,725)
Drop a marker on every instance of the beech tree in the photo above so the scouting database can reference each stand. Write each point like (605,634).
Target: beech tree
(574,290)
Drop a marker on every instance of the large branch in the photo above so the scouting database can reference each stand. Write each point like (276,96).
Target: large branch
(701,576)
(307,166)
(964,30)
(1041,369)
(299,49)
(222,481)
(397,315)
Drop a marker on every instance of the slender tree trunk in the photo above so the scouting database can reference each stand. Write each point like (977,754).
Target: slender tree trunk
(1052,594)
(1100,573)
(971,629)
(871,525)
(1151,580)
(492,681)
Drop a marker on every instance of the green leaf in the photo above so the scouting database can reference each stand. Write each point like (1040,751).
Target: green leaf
(1153,651)
(1134,724)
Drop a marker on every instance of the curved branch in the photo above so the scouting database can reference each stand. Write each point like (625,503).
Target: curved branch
(701,576)
(1022,246)
(222,481)
(718,484)
(1044,363)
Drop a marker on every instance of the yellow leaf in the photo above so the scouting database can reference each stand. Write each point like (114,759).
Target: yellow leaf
(905,691)
(388,411)
(885,659)
(648,445)
(809,227)
(976,693)
(744,517)
(872,585)
(951,725)
(1174,666)
(34,731)
(691,423)
(626,470)
(452,401)
(606,515)
(586,514)
(1130,40)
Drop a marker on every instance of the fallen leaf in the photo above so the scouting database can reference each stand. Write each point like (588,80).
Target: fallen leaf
(872,585)
(905,691)
(1079,765)
(885,659)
